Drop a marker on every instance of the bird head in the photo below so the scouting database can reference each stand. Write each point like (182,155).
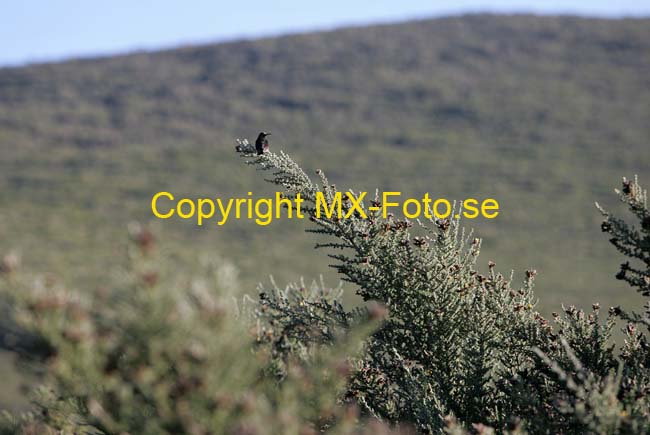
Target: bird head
(264,134)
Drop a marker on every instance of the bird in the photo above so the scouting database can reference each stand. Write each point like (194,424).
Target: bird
(262,143)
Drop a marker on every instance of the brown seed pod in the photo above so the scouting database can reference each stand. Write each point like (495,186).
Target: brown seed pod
(627,186)
(419,242)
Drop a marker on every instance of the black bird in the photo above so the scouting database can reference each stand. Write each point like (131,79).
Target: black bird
(262,143)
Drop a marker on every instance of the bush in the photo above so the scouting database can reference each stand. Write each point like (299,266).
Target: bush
(164,352)
(438,347)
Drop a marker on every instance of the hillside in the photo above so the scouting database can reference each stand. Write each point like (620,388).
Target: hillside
(542,113)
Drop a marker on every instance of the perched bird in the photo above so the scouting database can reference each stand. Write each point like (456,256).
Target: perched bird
(262,143)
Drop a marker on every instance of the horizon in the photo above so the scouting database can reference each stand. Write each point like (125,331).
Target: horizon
(54,46)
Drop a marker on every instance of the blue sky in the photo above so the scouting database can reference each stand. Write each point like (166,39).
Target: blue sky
(44,30)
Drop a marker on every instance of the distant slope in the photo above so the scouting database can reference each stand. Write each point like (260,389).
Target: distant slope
(543,113)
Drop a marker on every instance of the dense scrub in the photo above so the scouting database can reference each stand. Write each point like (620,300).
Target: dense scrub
(439,347)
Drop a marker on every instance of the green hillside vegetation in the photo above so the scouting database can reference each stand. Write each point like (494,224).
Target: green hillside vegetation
(542,113)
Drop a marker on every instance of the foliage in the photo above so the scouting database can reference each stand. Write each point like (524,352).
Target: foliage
(439,347)
(633,243)
(456,343)
(165,352)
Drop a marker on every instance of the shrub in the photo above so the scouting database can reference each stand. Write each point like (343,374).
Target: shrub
(166,351)
(458,345)
(438,346)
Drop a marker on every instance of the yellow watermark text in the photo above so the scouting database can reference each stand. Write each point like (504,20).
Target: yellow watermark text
(337,205)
